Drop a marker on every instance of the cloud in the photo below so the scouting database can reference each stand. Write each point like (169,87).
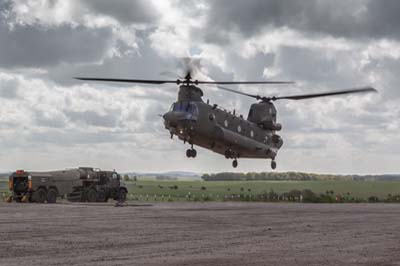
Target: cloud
(364,19)
(8,88)
(47,115)
(28,46)
(109,119)
(125,11)
(46,119)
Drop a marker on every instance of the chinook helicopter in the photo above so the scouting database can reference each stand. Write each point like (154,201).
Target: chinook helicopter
(199,123)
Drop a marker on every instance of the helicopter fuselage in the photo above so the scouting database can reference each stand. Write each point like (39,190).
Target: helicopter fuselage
(201,124)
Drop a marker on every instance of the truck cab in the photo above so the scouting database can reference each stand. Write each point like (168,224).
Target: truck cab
(20,184)
(100,186)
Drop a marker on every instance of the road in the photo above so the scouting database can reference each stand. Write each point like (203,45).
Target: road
(200,234)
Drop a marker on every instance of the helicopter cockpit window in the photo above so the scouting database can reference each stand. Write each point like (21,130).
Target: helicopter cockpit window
(186,107)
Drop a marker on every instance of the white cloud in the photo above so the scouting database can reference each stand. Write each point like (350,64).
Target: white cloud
(60,122)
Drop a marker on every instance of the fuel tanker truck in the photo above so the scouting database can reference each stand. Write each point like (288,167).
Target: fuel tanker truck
(78,184)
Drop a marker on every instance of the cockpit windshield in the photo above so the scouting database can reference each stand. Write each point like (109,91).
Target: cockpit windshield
(186,107)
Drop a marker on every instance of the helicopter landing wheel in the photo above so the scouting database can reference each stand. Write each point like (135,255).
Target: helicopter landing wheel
(191,153)
(235,163)
(227,154)
(273,164)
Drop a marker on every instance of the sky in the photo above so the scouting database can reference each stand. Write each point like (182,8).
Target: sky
(48,120)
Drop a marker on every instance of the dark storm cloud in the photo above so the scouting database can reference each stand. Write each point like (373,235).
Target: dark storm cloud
(349,19)
(29,46)
(144,63)
(93,118)
(5,6)
(125,11)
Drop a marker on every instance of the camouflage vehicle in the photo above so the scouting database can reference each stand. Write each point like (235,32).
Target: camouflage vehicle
(99,186)
(82,184)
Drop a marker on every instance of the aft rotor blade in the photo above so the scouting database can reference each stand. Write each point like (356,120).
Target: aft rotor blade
(145,81)
(239,92)
(242,82)
(325,94)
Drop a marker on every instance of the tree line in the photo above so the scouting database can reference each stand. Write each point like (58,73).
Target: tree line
(296,176)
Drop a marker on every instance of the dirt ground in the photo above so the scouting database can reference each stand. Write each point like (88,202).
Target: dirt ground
(200,234)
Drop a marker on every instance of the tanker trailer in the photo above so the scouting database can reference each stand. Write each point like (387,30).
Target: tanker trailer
(43,186)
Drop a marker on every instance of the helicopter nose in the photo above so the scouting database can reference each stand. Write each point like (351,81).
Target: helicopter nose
(173,118)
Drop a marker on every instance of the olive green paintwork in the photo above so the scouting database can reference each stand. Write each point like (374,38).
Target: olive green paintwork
(208,126)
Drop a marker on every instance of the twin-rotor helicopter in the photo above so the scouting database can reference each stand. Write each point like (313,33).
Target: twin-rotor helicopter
(199,123)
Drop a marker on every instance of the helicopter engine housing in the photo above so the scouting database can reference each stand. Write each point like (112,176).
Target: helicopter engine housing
(264,115)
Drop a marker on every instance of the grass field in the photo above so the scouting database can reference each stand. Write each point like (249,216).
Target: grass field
(3,186)
(219,190)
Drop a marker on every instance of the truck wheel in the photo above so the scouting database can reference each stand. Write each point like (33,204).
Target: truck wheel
(92,195)
(51,196)
(75,196)
(40,196)
(9,199)
(122,195)
(101,196)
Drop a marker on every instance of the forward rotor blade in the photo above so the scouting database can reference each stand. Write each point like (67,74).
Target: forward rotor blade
(150,81)
(170,74)
(145,81)
(243,82)
(316,95)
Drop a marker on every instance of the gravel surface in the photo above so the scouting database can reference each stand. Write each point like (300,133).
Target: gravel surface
(200,234)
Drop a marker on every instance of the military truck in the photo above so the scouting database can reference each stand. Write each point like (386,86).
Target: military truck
(99,186)
(80,184)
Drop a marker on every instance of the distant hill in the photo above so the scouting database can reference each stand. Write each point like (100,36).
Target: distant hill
(165,175)
(377,177)
(296,176)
